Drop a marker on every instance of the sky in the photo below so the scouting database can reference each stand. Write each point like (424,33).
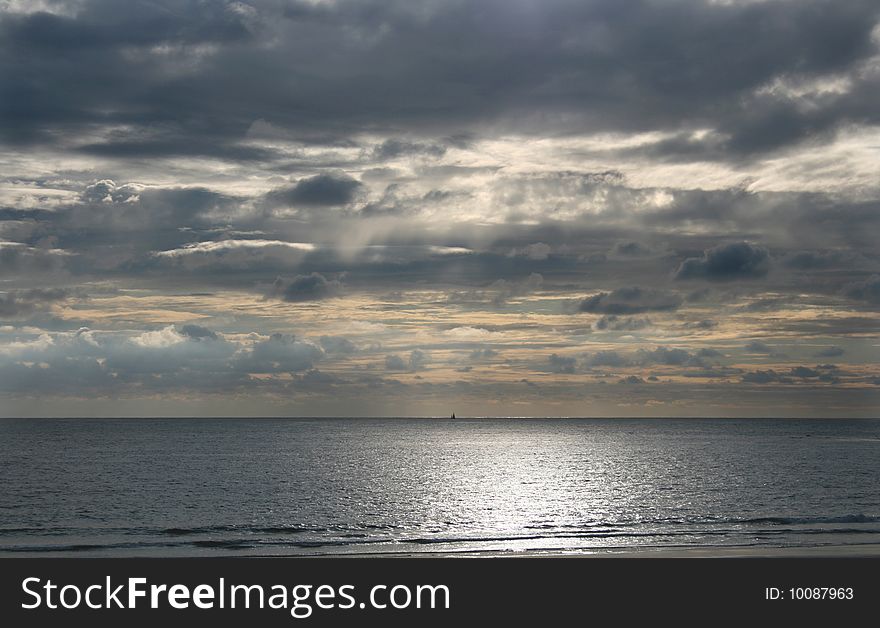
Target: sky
(414,208)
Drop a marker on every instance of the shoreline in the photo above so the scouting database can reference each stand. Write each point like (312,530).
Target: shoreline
(867,550)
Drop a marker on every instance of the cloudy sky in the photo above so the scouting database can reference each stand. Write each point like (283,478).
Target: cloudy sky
(398,207)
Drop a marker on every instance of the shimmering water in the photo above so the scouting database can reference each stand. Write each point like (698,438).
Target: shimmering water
(329,486)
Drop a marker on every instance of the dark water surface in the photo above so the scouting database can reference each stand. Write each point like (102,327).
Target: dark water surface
(327,486)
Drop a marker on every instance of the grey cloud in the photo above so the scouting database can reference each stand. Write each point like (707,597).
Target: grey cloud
(19,260)
(727,262)
(23,302)
(829,352)
(191,357)
(824,326)
(535,251)
(498,292)
(706,323)
(669,356)
(606,358)
(170,146)
(114,223)
(197,332)
(322,190)
(631,249)
(130,361)
(560,364)
(698,296)
(756,346)
(395,363)
(338,345)
(766,305)
(632,300)
(798,372)
(813,260)
(804,372)
(312,287)
(393,148)
(483,353)
(107,191)
(708,352)
(362,65)
(102,107)
(97,25)
(765,377)
(631,379)
(279,353)
(612,322)
(867,290)
(417,361)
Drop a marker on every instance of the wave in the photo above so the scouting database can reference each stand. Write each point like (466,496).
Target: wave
(360,531)
(811,520)
(706,530)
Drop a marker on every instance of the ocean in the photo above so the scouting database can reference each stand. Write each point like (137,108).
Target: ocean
(206,487)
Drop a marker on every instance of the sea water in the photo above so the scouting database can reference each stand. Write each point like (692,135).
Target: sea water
(187,487)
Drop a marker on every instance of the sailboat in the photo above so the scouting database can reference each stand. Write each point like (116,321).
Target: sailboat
(453,416)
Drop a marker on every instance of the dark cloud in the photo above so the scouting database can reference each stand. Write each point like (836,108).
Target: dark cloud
(395,363)
(561,364)
(813,260)
(279,353)
(824,326)
(97,25)
(631,249)
(172,147)
(756,346)
(606,358)
(698,296)
(804,372)
(323,190)
(829,352)
(765,377)
(179,151)
(197,332)
(498,292)
(20,260)
(393,148)
(766,305)
(418,359)
(631,379)
(708,352)
(24,302)
(630,301)
(535,251)
(313,287)
(483,353)
(705,324)
(867,290)
(612,322)
(669,356)
(727,262)
(338,345)
(354,65)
